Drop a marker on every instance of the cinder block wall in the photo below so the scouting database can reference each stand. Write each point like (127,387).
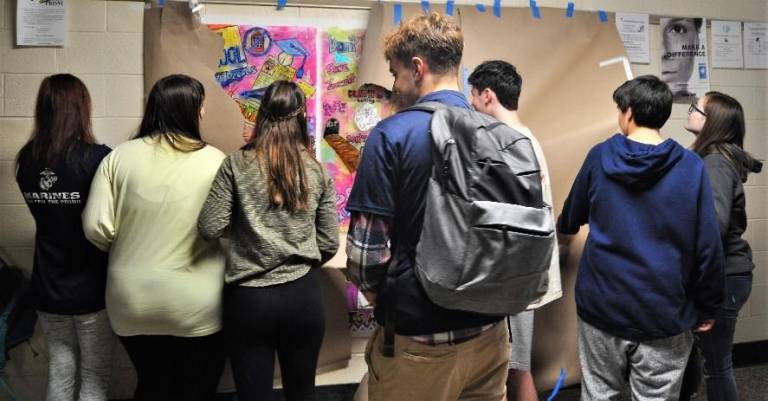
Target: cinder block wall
(104,48)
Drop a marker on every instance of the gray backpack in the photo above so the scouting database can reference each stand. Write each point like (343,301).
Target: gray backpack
(488,236)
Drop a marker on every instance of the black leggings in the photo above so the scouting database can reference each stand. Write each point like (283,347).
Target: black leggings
(172,368)
(287,318)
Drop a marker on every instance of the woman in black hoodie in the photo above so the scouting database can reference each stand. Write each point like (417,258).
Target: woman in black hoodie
(717,120)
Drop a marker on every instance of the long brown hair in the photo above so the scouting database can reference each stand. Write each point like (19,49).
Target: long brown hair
(62,120)
(173,113)
(281,142)
(723,132)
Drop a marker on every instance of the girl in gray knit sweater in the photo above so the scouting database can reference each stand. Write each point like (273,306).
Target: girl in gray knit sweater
(277,205)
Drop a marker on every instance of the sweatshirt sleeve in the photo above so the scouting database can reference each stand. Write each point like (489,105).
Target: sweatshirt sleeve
(576,208)
(99,213)
(709,277)
(722,178)
(325,220)
(216,214)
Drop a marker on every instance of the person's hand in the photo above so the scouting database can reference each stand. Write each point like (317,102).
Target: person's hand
(703,326)
(564,247)
(370,297)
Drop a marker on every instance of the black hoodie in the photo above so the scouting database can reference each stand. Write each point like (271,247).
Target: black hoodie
(730,206)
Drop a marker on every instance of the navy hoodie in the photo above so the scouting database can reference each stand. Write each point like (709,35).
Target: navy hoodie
(653,262)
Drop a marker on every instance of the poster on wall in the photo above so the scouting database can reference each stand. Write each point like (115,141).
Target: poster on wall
(254,57)
(349,112)
(40,23)
(684,57)
(755,46)
(726,45)
(633,29)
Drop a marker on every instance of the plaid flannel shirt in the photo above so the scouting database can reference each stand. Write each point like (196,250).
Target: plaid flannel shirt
(368,253)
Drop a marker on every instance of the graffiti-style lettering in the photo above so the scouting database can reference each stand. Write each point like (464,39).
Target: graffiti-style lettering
(330,109)
(336,68)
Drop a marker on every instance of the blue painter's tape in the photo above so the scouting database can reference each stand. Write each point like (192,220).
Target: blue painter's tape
(425,6)
(603,16)
(558,385)
(465,80)
(569,11)
(535,12)
(281,4)
(449,8)
(480,7)
(397,14)
(497,8)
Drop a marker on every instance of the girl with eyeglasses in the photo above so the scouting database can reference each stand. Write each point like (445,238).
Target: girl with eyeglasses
(717,120)
(277,205)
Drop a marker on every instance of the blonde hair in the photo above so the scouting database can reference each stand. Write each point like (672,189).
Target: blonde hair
(433,37)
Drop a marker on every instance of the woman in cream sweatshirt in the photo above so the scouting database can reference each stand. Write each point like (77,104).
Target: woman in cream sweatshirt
(164,281)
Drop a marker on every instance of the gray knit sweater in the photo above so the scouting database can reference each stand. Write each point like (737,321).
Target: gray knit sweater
(268,246)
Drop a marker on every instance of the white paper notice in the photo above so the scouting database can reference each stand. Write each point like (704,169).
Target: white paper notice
(40,23)
(755,46)
(633,29)
(726,45)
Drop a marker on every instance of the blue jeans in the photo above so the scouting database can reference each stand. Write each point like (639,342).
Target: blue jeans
(716,345)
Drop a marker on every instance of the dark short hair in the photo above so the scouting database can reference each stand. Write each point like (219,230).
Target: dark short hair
(502,78)
(649,98)
(173,112)
(433,37)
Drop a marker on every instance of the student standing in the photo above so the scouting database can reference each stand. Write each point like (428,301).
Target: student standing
(439,354)
(652,266)
(496,87)
(277,205)
(717,120)
(164,281)
(54,170)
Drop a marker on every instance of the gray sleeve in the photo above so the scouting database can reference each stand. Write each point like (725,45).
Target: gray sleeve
(723,179)
(216,215)
(325,220)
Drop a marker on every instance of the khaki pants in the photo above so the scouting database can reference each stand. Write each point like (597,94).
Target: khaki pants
(475,370)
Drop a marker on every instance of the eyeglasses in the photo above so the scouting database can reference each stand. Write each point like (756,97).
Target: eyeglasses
(696,109)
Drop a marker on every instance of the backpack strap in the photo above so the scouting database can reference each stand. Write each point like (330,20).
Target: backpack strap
(429,107)
(388,348)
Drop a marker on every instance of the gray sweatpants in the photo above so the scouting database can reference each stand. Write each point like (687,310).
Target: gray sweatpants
(78,344)
(654,369)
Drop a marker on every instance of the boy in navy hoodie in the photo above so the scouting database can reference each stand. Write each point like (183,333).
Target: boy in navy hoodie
(652,266)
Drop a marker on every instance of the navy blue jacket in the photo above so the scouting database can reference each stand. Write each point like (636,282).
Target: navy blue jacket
(653,262)
(392,181)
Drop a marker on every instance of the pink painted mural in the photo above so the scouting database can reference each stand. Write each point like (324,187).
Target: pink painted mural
(349,113)
(253,57)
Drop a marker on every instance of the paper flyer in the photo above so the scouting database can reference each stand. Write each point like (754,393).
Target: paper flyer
(755,48)
(633,29)
(40,23)
(727,50)
(684,65)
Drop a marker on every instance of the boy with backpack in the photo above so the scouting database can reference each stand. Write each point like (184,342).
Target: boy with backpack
(434,277)
(652,266)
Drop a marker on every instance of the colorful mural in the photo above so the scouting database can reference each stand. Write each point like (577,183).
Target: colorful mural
(254,57)
(349,112)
